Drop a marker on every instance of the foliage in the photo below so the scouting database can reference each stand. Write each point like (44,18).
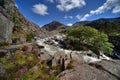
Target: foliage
(25,66)
(16,63)
(58,68)
(110,28)
(30,37)
(83,38)
(4,43)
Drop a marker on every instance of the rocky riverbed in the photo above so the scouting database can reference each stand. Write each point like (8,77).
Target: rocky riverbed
(52,46)
(84,67)
(48,56)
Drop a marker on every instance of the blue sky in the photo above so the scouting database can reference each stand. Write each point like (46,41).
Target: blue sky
(67,11)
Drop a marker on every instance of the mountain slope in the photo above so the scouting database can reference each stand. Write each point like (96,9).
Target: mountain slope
(13,26)
(53,26)
(81,23)
(109,26)
(98,21)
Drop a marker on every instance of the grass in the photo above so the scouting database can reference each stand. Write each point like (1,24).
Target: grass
(4,43)
(19,60)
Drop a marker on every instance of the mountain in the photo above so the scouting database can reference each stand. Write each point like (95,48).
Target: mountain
(14,27)
(81,23)
(98,22)
(54,25)
(108,25)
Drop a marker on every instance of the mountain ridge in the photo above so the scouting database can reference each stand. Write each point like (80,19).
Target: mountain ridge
(117,19)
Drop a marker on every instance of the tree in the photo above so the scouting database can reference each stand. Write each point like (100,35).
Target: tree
(88,38)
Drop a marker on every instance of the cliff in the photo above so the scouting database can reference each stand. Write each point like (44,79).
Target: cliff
(14,28)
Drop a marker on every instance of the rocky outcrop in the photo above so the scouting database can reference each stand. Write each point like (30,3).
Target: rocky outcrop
(6,27)
(14,27)
(104,70)
(67,60)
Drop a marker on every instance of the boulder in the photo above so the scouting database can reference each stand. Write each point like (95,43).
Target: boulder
(44,56)
(67,59)
(111,67)
(58,59)
(6,27)
(104,70)
(77,58)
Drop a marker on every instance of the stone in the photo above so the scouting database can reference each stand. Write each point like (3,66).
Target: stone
(58,58)
(66,63)
(77,58)
(112,67)
(44,56)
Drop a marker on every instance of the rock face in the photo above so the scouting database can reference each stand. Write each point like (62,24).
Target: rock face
(6,27)
(104,70)
(13,26)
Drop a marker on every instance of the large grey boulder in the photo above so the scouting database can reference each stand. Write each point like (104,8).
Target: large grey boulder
(6,27)
(58,59)
(67,60)
(111,67)
(104,70)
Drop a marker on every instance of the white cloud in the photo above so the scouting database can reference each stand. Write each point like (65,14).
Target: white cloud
(78,17)
(16,5)
(69,24)
(67,5)
(116,9)
(51,1)
(40,9)
(85,17)
(68,17)
(113,5)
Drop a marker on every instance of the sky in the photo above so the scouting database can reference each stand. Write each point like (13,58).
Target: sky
(68,12)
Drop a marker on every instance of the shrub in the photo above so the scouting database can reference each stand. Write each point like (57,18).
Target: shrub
(30,37)
(4,43)
(84,38)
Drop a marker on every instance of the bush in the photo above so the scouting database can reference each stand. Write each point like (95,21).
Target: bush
(87,38)
(4,43)
(30,37)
